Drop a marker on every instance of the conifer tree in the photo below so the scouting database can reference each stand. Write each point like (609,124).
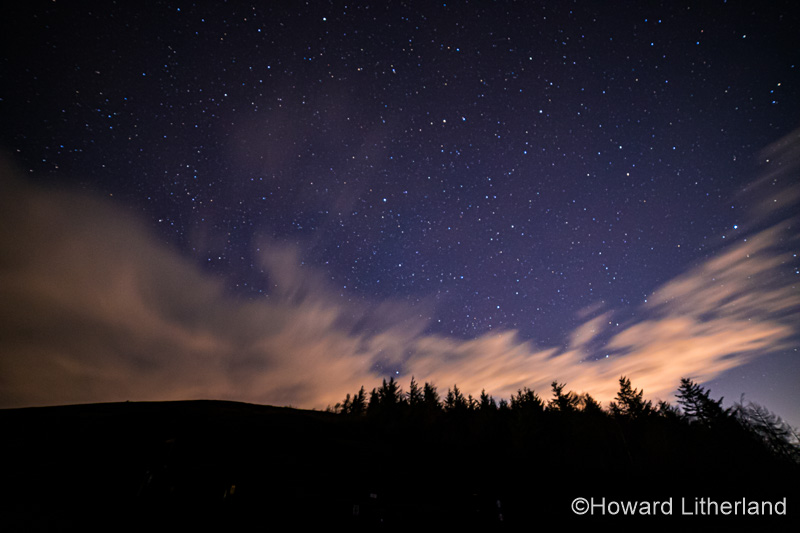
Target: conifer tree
(697,406)
(430,397)
(630,402)
(566,403)
(455,401)
(359,404)
(390,393)
(343,407)
(526,400)
(374,402)
(765,426)
(486,402)
(667,410)
(472,403)
(589,404)
(415,395)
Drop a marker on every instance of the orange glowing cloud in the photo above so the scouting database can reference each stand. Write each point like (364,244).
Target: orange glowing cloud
(93,308)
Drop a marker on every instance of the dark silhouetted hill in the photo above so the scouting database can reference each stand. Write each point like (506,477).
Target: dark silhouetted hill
(215,465)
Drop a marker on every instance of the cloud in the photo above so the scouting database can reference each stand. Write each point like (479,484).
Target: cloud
(94,308)
(776,193)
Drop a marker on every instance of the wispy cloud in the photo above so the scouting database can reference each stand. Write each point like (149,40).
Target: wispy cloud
(94,308)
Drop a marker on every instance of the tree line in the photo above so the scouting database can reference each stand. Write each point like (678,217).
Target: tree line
(695,410)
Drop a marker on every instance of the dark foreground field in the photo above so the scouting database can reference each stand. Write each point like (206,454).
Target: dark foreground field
(213,465)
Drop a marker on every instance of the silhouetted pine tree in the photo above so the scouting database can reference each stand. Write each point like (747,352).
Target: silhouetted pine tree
(455,400)
(486,402)
(526,400)
(697,406)
(564,402)
(630,402)
(390,393)
(668,411)
(430,398)
(359,404)
(472,403)
(415,395)
(373,407)
(343,407)
(590,405)
(777,436)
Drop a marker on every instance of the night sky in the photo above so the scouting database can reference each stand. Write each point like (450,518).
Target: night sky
(279,202)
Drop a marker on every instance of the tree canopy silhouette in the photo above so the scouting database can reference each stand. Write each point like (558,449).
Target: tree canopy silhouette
(696,404)
(696,409)
(566,402)
(630,402)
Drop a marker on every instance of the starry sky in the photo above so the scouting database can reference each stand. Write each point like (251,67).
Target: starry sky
(278,202)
